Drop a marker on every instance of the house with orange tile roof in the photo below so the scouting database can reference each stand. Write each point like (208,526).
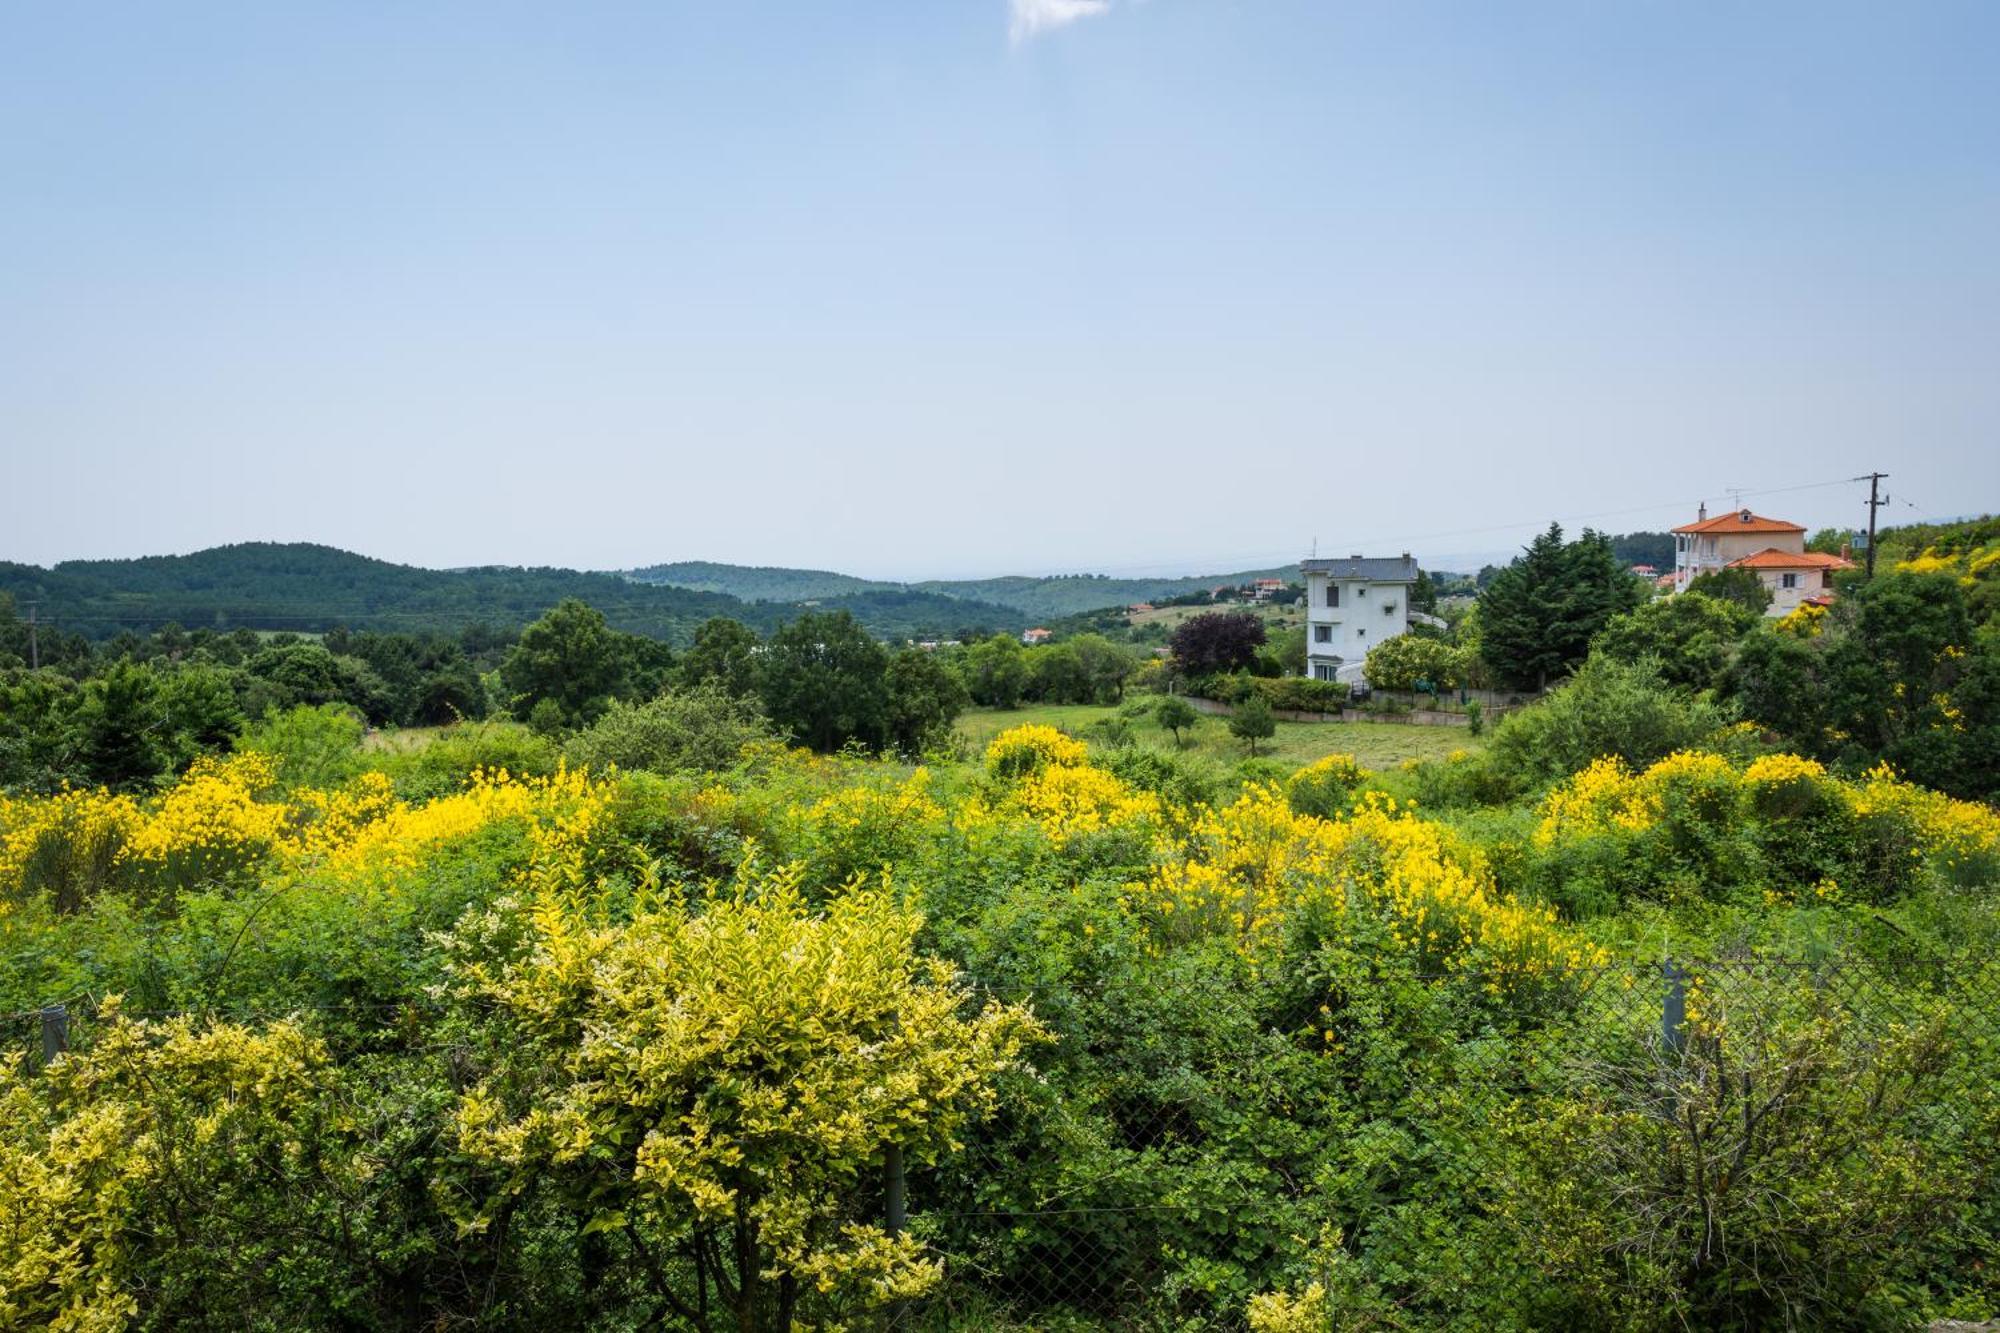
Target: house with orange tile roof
(1793,577)
(1773,549)
(1710,545)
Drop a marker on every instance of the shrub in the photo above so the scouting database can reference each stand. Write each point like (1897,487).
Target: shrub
(1608,708)
(697,1080)
(1326,787)
(1019,751)
(1301,694)
(313,746)
(701,729)
(1400,663)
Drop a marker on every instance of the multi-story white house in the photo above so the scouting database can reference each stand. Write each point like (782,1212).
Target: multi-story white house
(1352,605)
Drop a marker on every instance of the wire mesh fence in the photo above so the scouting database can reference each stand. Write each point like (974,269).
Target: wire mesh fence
(1185,1140)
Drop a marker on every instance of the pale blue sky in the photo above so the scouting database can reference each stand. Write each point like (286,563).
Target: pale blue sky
(906,289)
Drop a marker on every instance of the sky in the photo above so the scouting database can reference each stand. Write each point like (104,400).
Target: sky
(987,286)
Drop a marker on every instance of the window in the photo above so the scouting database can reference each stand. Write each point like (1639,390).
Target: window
(1788,580)
(1360,633)
(1321,671)
(1322,634)
(1388,608)
(1361,592)
(1826,578)
(1332,594)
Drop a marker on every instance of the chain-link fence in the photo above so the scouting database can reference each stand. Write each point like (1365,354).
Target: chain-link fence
(1189,1138)
(1185,1144)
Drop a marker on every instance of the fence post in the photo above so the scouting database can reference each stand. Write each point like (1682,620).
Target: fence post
(55,1031)
(894,1209)
(1673,1013)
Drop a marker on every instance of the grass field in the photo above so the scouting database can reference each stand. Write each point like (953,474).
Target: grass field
(1376,745)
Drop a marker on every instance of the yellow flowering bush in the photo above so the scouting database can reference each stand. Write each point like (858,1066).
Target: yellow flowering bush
(1326,786)
(1253,869)
(1070,800)
(1021,750)
(861,829)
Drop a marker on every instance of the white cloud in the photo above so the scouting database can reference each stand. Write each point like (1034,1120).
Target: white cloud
(1029,18)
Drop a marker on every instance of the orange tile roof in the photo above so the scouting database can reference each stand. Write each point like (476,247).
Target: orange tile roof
(1772,558)
(1740,520)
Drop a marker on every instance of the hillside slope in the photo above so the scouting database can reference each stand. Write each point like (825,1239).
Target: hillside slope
(1034,598)
(305,587)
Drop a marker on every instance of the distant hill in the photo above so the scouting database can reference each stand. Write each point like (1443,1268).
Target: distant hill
(1035,598)
(758,583)
(305,587)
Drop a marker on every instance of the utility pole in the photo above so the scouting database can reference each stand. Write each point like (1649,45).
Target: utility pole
(34,640)
(1875,502)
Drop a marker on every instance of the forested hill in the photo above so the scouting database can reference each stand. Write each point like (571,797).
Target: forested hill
(304,587)
(1036,598)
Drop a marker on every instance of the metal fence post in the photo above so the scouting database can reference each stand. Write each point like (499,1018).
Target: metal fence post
(55,1031)
(1673,1013)
(895,1214)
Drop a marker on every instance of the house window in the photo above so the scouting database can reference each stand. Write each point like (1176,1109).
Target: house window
(1360,633)
(1826,578)
(1322,634)
(1321,671)
(1388,608)
(1333,594)
(1788,580)
(1361,592)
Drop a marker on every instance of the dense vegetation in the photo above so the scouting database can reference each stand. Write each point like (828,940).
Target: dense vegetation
(614,1009)
(1041,599)
(306,588)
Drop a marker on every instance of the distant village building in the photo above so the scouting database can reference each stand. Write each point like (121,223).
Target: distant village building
(1140,608)
(1035,635)
(1263,590)
(1771,548)
(1352,605)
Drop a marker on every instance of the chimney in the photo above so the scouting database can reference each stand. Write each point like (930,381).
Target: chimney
(1701,515)
(1847,550)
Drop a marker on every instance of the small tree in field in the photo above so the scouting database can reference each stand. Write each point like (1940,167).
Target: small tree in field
(1176,715)
(1252,722)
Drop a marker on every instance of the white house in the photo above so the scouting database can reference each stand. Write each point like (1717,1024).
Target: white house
(1352,605)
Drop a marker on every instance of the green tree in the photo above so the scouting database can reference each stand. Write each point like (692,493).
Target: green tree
(1252,722)
(1692,638)
(199,712)
(568,658)
(120,731)
(824,682)
(1538,615)
(725,654)
(1106,666)
(1738,587)
(1056,675)
(1176,715)
(925,699)
(996,672)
